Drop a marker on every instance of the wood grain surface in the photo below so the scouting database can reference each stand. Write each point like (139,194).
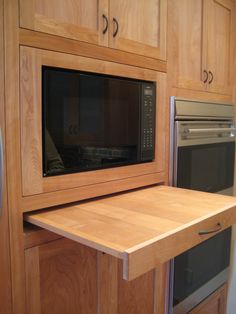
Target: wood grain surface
(145,227)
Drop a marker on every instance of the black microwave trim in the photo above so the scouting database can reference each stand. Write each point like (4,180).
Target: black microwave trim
(146,155)
(117,77)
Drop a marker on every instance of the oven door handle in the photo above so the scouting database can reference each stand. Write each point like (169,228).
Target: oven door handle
(209,130)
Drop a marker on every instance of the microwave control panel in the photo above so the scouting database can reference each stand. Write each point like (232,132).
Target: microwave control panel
(148,122)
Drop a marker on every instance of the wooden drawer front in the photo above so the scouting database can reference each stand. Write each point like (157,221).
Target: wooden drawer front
(173,244)
(31,122)
(143,228)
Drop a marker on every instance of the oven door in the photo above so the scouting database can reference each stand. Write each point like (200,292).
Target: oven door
(204,161)
(204,156)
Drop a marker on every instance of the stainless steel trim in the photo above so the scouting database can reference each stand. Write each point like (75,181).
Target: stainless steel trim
(214,130)
(172,144)
(229,191)
(196,109)
(201,101)
(204,132)
(197,296)
(1,174)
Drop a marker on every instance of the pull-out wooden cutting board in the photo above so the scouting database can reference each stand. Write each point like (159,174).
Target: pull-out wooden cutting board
(143,228)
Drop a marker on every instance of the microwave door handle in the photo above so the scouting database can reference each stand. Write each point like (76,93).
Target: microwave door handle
(212,130)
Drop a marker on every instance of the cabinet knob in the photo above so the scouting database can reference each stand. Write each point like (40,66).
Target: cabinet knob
(206,76)
(211,77)
(106,24)
(116,27)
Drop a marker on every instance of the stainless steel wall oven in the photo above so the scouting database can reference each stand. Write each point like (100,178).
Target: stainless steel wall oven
(202,158)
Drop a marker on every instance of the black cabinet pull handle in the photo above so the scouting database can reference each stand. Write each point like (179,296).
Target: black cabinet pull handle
(116,27)
(106,24)
(212,77)
(205,72)
(218,228)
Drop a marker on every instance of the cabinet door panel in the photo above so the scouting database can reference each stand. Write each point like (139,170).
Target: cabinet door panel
(186,42)
(61,278)
(136,33)
(219,45)
(76,19)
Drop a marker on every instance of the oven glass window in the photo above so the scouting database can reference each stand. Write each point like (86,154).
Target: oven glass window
(207,168)
(194,268)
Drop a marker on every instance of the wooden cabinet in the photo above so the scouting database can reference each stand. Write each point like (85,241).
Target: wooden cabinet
(5,276)
(84,184)
(200,45)
(75,19)
(141,26)
(219,45)
(123,25)
(64,277)
(215,303)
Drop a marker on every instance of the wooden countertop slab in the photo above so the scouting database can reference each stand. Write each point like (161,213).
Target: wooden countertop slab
(144,227)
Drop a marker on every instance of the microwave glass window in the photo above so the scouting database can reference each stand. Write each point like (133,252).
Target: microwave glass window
(206,167)
(90,121)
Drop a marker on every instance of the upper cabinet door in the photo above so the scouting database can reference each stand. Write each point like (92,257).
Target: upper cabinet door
(219,45)
(76,19)
(187,38)
(139,27)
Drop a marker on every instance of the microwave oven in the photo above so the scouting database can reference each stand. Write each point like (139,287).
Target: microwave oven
(93,121)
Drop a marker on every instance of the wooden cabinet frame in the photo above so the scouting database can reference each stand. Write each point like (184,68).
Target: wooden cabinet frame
(200,48)
(99,27)
(33,182)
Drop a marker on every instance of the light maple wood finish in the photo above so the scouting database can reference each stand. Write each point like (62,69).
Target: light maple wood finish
(32,280)
(30,203)
(34,236)
(191,94)
(65,277)
(136,33)
(187,39)
(136,296)
(107,284)
(5,273)
(60,44)
(200,39)
(31,113)
(12,119)
(83,20)
(76,19)
(161,288)
(216,303)
(144,228)
(220,45)
(61,278)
